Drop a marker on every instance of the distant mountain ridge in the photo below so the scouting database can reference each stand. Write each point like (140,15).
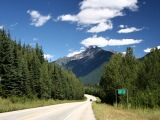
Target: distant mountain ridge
(88,64)
(89,52)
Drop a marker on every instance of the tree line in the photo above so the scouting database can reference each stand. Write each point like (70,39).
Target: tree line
(141,77)
(25,73)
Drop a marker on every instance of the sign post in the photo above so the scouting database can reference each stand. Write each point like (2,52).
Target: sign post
(121,92)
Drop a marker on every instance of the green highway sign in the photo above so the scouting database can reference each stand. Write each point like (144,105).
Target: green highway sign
(121,91)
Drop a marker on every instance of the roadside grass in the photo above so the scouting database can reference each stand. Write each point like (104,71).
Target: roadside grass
(107,112)
(14,103)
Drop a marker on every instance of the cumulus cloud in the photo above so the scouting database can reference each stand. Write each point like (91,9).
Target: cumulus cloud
(101,27)
(96,16)
(1,27)
(116,4)
(147,50)
(98,12)
(123,26)
(102,42)
(38,19)
(129,30)
(72,53)
(68,18)
(48,56)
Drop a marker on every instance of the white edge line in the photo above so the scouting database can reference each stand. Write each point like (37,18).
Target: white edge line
(70,114)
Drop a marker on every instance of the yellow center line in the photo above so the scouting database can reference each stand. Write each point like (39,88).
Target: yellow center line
(35,115)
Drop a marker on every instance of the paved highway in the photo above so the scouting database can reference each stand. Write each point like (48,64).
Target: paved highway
(67,111)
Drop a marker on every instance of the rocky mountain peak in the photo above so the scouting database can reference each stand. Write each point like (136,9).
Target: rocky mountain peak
(89,52)
(92,49)
(88,64)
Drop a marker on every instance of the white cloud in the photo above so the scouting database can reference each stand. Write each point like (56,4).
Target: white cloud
(72,53)
(79,28)
(96,16)
(35,39)
(102,42)
(147,50)
(97,12)
(1,27)
(129,30)
(68,17)
(111,4)
(122,26)
(14,25)
(48,56)
(38,19)
(101,27)
(124,53)
(83,48)
(70,50)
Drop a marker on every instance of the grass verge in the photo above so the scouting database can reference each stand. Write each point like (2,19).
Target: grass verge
(107,112)
(14,103)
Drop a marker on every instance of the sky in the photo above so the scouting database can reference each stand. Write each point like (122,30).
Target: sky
(68,27)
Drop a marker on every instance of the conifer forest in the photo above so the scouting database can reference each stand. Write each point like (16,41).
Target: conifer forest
(25,73)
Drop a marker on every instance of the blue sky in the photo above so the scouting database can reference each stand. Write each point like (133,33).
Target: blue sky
(67,27)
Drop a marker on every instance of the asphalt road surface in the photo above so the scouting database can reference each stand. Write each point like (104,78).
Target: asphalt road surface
(67,111)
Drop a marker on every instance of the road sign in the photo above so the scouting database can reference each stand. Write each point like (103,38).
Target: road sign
(121,91)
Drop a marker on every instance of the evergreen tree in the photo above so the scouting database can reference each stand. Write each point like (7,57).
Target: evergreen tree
(17,74)
(35,75)
(45,82)
(25,73)
(6,68)
(39,53)
(26,78)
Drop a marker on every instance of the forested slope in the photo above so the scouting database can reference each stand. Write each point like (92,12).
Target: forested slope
(140,77)
(25,73)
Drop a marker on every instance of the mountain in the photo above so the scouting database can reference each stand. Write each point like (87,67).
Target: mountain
(88,64)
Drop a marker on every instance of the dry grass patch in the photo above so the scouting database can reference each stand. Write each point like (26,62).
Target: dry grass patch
(12,104)
(107,112)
